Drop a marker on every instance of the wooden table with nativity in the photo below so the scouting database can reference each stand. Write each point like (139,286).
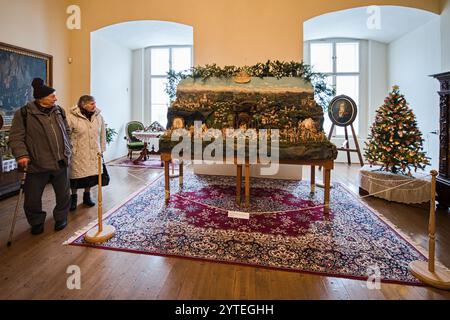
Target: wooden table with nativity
(244,119)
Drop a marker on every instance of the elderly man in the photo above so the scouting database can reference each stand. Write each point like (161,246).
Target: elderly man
(39,140)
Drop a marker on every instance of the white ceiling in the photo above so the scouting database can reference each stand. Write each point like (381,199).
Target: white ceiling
(352,23)
(141,34)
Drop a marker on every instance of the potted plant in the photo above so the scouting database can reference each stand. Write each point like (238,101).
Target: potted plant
(110,134)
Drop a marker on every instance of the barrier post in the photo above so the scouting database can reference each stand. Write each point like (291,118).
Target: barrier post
(429,273)
(102,233)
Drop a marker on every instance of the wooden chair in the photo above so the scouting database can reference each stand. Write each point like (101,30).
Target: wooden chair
(133,144)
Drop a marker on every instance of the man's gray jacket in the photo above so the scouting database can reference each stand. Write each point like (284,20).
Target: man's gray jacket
(45,138)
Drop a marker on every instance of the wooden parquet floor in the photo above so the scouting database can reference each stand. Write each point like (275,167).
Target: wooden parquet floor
(35,266)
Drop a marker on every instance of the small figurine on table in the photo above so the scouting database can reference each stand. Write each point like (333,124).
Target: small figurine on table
(178,123)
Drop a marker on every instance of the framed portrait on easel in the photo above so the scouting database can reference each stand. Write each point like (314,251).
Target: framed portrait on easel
(18,67)
(342,113)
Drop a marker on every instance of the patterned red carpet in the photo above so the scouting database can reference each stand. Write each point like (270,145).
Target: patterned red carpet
(282,233)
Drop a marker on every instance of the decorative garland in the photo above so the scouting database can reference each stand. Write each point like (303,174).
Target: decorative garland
(277,69)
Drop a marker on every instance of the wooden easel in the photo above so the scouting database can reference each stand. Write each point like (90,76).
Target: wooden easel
(347,144)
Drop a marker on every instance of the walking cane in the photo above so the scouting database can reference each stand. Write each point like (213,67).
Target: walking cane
(22,183)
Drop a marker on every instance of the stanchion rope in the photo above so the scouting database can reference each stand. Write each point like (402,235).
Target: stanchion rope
(294,210)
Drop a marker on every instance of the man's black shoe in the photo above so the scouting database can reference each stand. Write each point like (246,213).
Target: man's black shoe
(37,229)
(60,225)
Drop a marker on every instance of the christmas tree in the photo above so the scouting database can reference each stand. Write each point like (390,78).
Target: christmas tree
(395,141)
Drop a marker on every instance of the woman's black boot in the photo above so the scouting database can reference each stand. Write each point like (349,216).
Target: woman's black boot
(73,202)
(87,200)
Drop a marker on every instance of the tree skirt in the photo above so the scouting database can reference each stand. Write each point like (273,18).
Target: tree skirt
(151,163)
(395,187)
(282,232)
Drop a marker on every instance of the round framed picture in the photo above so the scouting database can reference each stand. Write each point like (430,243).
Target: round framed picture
(342,111)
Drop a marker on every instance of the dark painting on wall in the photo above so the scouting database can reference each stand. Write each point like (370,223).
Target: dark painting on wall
(18,67)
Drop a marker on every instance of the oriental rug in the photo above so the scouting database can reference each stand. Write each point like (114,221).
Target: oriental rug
(287,229)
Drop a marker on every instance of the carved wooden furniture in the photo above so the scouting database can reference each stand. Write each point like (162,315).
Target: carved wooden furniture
(9,181)
(133,144)
(443,180)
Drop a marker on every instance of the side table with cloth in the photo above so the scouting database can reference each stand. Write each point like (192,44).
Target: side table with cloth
(146,137)
(399,188)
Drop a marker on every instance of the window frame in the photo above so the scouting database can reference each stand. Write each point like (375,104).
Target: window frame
(362,74)
(149,76)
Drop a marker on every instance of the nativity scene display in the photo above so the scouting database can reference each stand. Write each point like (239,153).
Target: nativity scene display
(285,103)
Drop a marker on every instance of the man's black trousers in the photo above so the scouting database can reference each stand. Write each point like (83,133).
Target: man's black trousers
(34,188)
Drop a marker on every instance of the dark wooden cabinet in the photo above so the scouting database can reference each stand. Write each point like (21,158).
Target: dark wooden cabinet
(9,183)
(443,180)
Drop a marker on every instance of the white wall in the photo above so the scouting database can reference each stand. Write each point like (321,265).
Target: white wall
(378,78)
(137,89)
(412,58)
(111,67)
(445,36)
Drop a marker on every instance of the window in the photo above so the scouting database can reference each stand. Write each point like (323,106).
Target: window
(161,60)
(340,61)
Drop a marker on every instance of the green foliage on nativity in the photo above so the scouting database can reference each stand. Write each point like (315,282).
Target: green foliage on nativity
(277,69)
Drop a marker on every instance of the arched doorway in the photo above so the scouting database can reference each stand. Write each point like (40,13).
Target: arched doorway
(366,50)
(129,65)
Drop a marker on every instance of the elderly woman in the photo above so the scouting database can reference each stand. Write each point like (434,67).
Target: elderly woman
(88,139)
